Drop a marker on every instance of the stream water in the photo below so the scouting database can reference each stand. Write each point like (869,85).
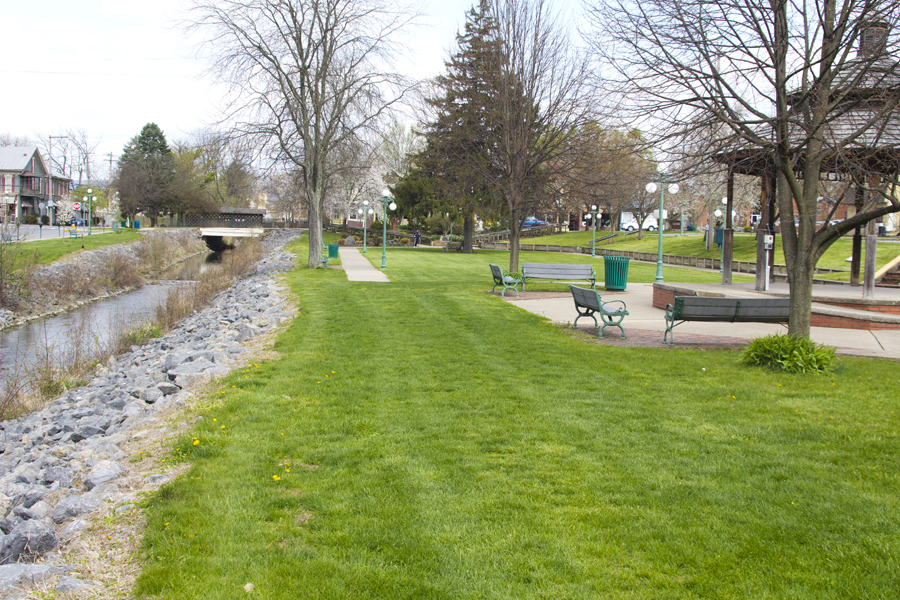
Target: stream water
(88,328)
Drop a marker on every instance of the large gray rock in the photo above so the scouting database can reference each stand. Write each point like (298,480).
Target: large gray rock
(28,541)
(12,576)
(103,473)
(70,585)
(73,506)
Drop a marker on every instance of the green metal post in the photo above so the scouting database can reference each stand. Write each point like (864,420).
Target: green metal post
(659,229)
(384,203)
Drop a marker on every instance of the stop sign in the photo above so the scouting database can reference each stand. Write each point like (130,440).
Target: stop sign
(77,206)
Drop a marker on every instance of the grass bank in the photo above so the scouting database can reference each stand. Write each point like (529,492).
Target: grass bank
(744,247)
(51,250)
(422,439)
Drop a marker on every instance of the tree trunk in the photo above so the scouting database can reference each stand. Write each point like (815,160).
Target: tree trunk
(514,232)
(468,233)
(801,297)
(315,233)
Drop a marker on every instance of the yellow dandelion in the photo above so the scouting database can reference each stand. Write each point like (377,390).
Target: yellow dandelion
(196,442)
(276,477)
(287,470)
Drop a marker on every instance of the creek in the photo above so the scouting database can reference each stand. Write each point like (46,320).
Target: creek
(88,329)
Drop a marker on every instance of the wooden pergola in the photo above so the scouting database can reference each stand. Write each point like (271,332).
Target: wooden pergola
(872,155)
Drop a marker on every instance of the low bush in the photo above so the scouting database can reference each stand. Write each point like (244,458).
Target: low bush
(45,219)
(404,241)
(30,219)
(787,353)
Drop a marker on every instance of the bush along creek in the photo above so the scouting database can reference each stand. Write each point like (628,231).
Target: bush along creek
(62,462)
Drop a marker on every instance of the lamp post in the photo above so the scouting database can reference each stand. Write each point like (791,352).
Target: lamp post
(718,214)
(673,189)
(594,230)
(386,203)
(89,199)
(365,211)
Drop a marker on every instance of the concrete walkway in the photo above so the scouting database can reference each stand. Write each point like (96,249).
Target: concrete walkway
(358,268)
(645,325)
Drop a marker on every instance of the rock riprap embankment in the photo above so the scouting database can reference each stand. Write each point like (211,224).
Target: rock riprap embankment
(62,462)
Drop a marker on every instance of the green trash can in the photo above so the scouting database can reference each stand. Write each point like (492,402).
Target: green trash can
(615,272)
(333,251)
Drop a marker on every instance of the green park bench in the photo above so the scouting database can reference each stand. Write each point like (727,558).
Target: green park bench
(588,304)
(561,273)
(506,279)
(723,309)
(75,233)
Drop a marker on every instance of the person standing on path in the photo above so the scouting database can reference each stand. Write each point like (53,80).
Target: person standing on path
(416,237)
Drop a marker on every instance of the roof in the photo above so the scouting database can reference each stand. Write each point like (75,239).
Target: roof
(16,158)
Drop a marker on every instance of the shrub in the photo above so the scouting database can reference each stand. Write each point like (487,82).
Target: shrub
(30,219)
(376,225)
(404,241)
(748,229)
(791,354)
(45,219)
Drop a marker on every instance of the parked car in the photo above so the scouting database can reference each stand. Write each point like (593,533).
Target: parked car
(533,222)
(76,222)
(649,225)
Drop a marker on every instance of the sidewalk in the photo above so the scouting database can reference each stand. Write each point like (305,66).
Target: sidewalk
(645,325)
(358,268)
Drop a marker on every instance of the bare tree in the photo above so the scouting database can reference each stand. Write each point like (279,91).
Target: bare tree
(780,80)
(85,153)
(306,76)
(542,101)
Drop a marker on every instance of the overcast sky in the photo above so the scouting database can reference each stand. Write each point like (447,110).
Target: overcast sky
(109,67)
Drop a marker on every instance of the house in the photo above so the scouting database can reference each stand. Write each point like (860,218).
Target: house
(24,183)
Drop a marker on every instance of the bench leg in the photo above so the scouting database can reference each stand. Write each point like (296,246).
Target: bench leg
(670,333)
(611,321)
(586,313)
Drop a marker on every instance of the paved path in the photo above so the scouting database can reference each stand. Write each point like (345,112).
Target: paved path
(645,325)
(358,267)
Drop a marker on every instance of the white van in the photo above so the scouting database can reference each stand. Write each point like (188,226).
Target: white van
(627,222)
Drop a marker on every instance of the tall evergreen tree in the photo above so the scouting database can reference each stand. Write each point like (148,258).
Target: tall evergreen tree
(457,156)
(146,171)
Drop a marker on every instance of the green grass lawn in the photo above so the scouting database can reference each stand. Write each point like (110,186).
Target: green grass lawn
(52,249)
(422,439)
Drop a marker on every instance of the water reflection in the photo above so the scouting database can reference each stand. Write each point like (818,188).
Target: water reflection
(193,268)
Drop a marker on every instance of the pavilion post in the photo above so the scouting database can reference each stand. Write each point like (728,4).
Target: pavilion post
(728,237)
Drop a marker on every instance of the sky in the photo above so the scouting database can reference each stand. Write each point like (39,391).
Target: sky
(110,67)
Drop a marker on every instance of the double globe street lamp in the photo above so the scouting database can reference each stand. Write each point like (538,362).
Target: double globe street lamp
(386,203)
(594,214)
(651,188)
(364,213)
(88,200)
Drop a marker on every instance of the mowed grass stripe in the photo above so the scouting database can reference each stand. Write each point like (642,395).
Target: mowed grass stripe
(463,448)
